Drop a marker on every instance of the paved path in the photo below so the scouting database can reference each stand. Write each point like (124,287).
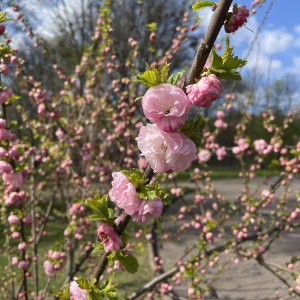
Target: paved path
(245,280)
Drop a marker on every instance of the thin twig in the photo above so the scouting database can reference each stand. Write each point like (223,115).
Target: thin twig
(215,25)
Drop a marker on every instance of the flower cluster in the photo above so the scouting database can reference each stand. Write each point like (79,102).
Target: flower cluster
(166,149)
(55,262)
(123,194)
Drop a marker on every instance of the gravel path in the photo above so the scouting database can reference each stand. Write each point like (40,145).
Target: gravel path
(245,280)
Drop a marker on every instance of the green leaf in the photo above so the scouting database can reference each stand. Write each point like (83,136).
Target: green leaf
(192,129)
(112,295)
(138,98)
(159,192)
(94,295)
(146,192)
(229,60)
(98,248)
(149,78)
(100,206)
(203,4)
(164,72)
(153,76)
(152,26)
(83,283)
(225,66)
(136,177)
(129,262)
(216,60)
(12,99)
(174,78)
(295,152)
(64,294)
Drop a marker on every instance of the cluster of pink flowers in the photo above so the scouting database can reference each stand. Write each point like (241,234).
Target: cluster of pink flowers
(237,19)
(9,157)
(262,147)
(123,194)
(56,261)
(166,149)
(242,145)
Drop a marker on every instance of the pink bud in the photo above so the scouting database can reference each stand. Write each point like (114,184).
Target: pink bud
(203,93)
(2,29)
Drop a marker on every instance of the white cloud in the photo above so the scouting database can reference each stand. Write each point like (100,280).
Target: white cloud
(205,16)
(275,41)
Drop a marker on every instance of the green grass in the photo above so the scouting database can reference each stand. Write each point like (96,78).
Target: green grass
(127,283)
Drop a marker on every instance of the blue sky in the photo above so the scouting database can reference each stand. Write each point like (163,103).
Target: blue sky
(278,45)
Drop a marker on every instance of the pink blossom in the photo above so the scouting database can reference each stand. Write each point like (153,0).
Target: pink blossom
(221,153)
(23,265)
(76,292)
(219,123)
(166,151)
(14,261)
(203,93)
(123,193)
(166,106)
(12,198)
(5,167)
(204,155)
(76,209)
(237,19)
(262,147)
(14,153)
(220,114)
(236,150)
(2,123)
(4,134)
(16,179)
(243,145)
(3,152)
(15,235)
(148,208)
(4,97)
(298,283)
(109,237)
(13,220)
(48,268)
(22,246)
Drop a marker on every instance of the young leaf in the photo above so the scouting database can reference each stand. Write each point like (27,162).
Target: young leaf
(229,60)
(153,76)
(146,192)
(164,72)
(192,129)
(174,78)
(83,283)
(203,4)
(65,294)
(136,177)
(98,248)
(112,295)
(129,262)
(225,66)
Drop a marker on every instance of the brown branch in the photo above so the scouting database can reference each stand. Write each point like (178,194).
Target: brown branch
(215,25)
(209,39)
